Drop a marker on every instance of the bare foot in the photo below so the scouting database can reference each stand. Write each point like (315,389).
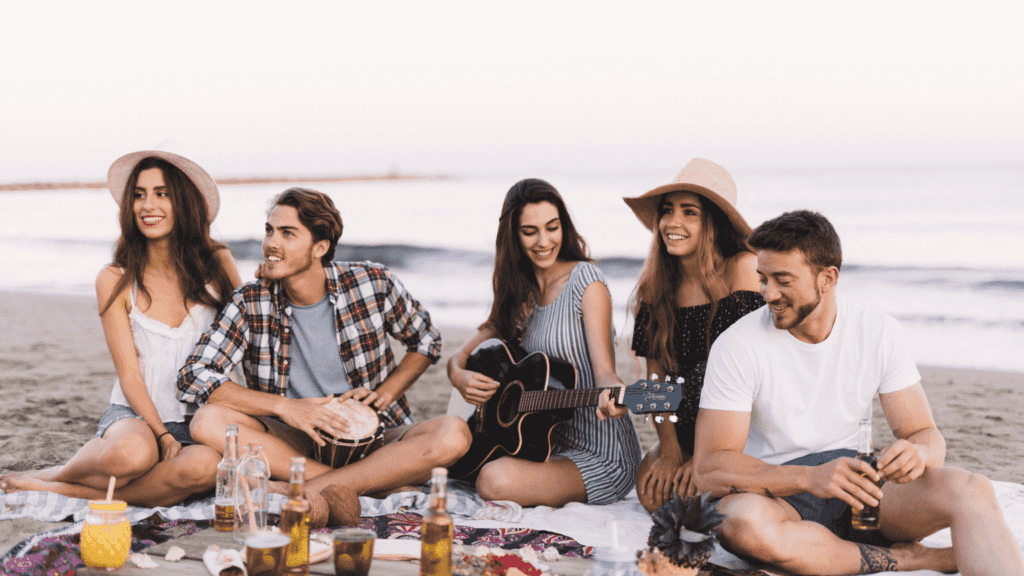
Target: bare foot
(27,483)
(917,556)
(46,474)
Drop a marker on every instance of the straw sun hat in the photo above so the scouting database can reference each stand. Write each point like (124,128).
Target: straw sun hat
(121,169)
(702,177)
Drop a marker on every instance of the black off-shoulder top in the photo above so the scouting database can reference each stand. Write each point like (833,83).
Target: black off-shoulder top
(691,348)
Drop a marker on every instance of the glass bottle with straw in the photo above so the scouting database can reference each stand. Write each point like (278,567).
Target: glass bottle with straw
(614,560)
(252,479)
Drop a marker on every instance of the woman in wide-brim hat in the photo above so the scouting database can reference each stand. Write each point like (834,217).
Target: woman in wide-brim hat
(699,278)
(167,280)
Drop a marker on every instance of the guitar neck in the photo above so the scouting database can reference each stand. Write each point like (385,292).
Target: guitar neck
(539,400)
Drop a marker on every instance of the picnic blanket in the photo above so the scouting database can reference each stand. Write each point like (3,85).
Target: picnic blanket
(574,529)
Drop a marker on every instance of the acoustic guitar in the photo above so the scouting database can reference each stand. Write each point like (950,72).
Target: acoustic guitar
(535,394)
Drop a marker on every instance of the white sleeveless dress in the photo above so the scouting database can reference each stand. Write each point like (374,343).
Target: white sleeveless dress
(162,351)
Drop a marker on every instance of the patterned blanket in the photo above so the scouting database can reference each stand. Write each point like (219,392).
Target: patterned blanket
(57,551)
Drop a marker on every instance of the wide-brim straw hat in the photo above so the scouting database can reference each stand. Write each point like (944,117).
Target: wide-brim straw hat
(702,177)
(121,169)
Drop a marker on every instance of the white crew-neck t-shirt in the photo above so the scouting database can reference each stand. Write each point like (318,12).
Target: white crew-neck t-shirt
(806,398)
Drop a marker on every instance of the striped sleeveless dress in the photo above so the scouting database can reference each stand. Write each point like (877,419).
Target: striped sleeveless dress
(606,453)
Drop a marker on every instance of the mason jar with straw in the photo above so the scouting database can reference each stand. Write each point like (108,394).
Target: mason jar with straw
(106,534)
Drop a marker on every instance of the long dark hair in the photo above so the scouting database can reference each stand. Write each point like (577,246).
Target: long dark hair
(191,248)
(515,284)
(663,274)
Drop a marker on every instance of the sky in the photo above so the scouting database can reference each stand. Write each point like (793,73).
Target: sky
(340,88)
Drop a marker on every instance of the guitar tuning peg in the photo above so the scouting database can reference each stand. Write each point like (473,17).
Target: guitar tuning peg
(657,387)
(668,406)
(673,418)
(647,418)
(639,407)
(654,378)
(671,388)
(680,380)
(643,385)
(654,406)
(659,418)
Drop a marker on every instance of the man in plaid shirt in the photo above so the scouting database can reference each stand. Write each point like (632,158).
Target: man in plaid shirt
(310,330)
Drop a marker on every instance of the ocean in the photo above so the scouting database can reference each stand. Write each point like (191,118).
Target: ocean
(940,248)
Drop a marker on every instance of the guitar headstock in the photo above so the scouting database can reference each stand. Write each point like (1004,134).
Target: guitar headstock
(647,396)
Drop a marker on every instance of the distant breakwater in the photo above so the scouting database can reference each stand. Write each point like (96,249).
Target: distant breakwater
(239,181)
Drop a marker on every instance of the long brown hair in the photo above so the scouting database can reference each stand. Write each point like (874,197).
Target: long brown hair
(514,282)
(663,274)
(191,248)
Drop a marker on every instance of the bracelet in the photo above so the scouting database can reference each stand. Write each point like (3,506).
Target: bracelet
(161,436)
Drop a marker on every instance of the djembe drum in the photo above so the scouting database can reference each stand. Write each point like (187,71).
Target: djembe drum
(365,433)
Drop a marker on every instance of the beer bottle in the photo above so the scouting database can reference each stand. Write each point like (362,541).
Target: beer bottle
(867,517)
(224,500)
(436,554)
(295,521)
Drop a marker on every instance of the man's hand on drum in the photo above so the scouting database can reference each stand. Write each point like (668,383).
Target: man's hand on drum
(364,395)
(474,386)
(309,414)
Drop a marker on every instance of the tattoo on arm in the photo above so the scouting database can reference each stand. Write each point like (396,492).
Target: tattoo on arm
(768,493)
(875,559)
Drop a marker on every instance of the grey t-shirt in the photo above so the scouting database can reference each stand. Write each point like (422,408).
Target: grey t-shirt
(316,369)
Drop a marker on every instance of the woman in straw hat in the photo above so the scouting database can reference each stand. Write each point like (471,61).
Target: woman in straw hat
(699,278)
(549,297)
(156,298)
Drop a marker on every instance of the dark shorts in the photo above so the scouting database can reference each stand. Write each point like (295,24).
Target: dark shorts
(116,412)
(832,513)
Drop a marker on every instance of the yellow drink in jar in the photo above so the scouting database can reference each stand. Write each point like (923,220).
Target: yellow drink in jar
(106,536)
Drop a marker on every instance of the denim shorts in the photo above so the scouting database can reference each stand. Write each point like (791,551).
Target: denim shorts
(116,412)
(832,513)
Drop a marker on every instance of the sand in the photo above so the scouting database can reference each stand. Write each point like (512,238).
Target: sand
(56,376)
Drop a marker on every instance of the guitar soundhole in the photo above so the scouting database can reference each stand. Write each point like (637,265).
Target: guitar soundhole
(508,403)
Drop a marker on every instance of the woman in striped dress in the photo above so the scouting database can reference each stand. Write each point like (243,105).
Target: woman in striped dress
(549,297)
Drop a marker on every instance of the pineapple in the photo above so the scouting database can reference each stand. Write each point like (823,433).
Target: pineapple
(682,538)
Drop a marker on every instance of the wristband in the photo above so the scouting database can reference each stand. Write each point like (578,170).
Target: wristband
(161,436)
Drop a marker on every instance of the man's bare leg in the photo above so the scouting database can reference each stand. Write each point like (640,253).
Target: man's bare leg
(771,531)
(962,501)
(437,442)
(209,427)
(192,471)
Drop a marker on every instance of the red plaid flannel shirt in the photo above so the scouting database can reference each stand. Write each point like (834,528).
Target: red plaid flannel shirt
(253,329)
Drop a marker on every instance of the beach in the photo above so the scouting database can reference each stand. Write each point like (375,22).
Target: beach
(56,375)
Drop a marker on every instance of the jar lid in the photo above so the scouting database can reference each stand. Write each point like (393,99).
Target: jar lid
(111,506)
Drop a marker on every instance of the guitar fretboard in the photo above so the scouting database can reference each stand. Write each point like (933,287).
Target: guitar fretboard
(539,400)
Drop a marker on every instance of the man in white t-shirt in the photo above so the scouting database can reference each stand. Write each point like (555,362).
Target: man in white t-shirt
(785,389)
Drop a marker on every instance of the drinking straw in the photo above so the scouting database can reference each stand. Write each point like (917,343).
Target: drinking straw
(248,503)
(110,489)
